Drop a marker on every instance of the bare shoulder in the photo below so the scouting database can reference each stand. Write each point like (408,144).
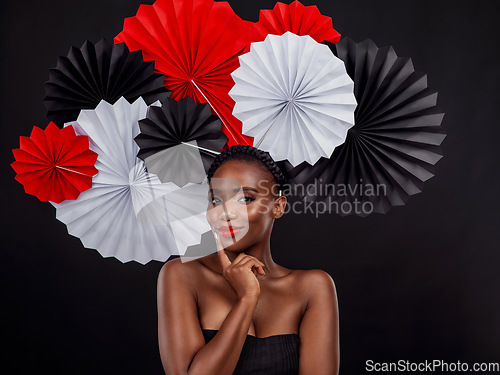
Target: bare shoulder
(314,284)
(176,271)
(313,278)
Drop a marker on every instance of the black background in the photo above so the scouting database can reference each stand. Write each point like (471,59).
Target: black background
(419,283)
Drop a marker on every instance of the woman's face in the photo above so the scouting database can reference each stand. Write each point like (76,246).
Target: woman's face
(242,204)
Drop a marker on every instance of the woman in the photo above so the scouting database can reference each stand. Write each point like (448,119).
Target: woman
(237,311)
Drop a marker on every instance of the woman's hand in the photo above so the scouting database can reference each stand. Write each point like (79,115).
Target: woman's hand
(239,273)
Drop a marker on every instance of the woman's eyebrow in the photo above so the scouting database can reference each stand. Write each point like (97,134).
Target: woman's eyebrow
(235,190)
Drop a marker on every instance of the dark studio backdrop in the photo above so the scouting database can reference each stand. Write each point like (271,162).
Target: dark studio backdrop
(419,283)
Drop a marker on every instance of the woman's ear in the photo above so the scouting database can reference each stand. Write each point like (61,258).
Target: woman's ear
(279,206)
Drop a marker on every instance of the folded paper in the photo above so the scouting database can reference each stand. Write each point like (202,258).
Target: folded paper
(296,18)
(294,97)
(54,164)
(105,217)
(195,44)
(103,71)
(179,141)
(391,150)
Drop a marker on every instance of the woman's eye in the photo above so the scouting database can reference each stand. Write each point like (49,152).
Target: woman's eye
(246,199)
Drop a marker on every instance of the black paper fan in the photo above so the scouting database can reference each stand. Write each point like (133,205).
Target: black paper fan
(390,151)
(95,72)
(180,140)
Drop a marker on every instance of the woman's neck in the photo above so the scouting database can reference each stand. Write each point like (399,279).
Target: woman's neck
(261,251)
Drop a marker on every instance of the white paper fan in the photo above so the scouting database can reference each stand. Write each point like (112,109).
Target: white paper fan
(293,95)
(104,218)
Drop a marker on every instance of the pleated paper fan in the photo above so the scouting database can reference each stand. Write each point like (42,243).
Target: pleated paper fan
(105,217)
(294,97)
(104,71)
(179,141)
(296,18)
(54,164)
(195,44)
(395,142)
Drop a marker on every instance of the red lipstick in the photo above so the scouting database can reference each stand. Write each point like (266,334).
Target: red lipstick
(228,231)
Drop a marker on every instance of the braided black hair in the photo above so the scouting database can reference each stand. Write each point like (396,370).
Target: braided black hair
(251,154)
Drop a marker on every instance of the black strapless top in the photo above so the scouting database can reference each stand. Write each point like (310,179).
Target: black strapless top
(272,355)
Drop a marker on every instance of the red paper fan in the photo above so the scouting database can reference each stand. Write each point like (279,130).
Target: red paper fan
(296,18)
(195,44)
(55,164)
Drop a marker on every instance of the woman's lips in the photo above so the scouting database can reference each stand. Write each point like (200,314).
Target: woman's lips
(229,231)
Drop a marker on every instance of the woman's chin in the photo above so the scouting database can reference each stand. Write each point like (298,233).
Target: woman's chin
(233,247)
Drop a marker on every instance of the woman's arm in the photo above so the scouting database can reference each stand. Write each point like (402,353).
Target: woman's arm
(182,346)
(319,327)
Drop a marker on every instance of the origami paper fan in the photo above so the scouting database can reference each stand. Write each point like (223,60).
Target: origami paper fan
(103,71)
(54,164)
(296,18)
(294,97)
(393,147)
(195,44)
(180,140)
(105,217)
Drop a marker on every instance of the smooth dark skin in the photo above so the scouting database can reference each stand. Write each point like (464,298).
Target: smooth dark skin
(241,291)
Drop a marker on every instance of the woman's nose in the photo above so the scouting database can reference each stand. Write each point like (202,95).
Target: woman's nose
(228,211)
